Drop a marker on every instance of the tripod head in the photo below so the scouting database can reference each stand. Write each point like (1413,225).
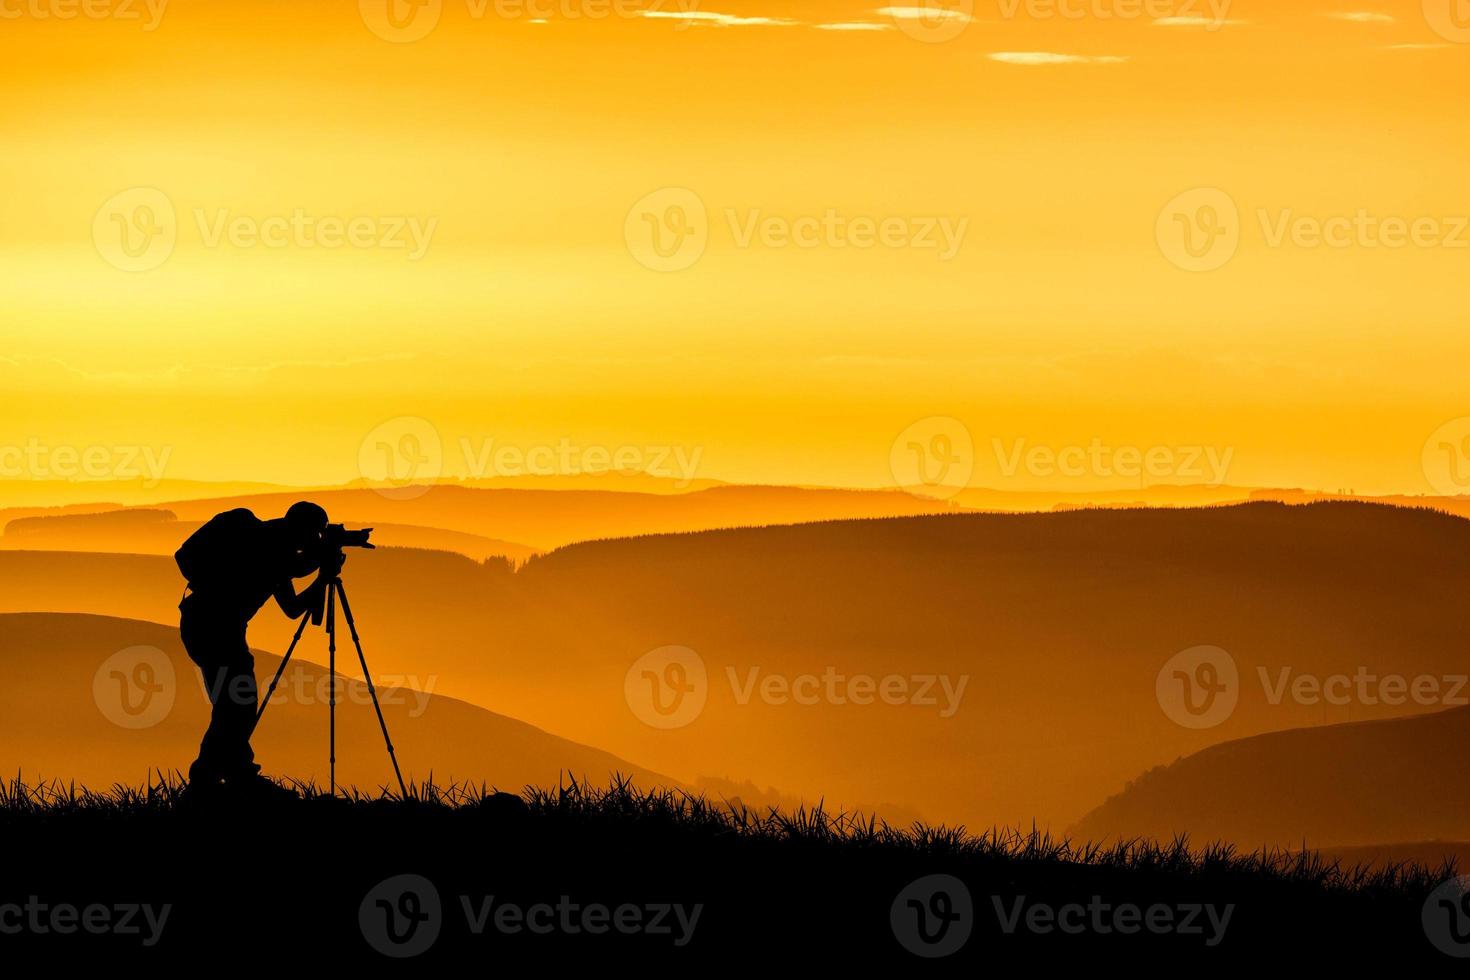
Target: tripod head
(330,555)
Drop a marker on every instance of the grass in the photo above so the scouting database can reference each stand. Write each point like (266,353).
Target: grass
(672,811)
(807,875)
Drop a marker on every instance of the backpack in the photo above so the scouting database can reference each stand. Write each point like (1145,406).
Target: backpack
(213,551)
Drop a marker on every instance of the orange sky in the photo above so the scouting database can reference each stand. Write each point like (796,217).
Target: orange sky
(1031,280)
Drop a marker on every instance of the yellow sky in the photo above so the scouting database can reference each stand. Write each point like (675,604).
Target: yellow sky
(459,232)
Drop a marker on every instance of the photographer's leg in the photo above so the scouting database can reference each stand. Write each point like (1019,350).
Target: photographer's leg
(225,750)
(210,766)
(244,702)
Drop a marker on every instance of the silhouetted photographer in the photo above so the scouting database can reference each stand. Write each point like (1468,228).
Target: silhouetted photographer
(234,564)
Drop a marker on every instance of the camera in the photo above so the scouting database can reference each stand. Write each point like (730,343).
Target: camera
(336,537)
(328,551)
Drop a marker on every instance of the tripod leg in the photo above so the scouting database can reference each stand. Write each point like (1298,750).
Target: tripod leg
(362,659)
(279,671)
(332,688)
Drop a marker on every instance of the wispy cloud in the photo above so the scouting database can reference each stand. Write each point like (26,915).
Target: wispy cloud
(861,25)
(1034,58)
(715,19)
(923,13)
(1362,17)
(1418,47)
(1213,23)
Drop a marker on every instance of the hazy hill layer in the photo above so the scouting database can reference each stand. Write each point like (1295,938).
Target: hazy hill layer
(98,699)
(1366,782)
(549,518)
(159,532)
(1050,630)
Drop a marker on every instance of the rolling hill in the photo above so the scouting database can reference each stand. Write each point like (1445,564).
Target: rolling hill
(1352,784)
(108,699)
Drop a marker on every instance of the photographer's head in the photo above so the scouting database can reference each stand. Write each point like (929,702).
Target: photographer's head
(305,523)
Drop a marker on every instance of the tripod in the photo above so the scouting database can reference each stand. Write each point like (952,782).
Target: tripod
(335,593)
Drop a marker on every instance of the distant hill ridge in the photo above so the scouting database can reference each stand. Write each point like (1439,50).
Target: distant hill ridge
(1360,783)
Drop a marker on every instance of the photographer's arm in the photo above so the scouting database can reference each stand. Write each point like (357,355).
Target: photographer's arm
(303,565)
(297,604)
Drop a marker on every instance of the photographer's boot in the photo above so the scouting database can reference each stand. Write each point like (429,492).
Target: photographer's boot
(254,786)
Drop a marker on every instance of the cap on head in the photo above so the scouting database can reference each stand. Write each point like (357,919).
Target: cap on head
(306,518)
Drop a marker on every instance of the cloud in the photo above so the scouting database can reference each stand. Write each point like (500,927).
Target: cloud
(714,19)
(923,13)
(1212,23)
(1418,47)
(1362,17)
(1052,58)
(864,25)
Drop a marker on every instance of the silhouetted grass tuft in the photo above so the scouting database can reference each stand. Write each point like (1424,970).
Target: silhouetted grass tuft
(578,806)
